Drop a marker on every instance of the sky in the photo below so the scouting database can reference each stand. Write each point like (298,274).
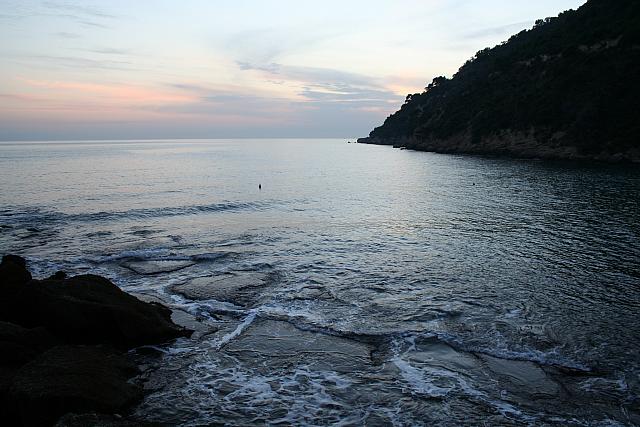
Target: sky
(148,69)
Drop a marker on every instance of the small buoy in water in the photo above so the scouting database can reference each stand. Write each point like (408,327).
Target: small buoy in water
(259,186)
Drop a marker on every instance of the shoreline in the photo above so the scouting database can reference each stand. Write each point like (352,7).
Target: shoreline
(513,146)
(252,338)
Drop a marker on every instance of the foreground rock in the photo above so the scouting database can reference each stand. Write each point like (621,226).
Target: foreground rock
(47,369)
(18,345)
(100,420)
(84,309)
(72,379)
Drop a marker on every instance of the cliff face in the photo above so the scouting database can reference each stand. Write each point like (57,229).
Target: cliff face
(568,88)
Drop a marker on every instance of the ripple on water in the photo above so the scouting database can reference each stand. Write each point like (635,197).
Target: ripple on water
(472,300)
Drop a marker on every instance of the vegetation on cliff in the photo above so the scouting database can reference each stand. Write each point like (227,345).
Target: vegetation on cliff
(568,87)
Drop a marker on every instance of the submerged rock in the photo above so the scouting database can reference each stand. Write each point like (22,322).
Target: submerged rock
(313,293)
(71,378)
(151,267)
(279,343)
(85,309)
(240,288)
(522,377)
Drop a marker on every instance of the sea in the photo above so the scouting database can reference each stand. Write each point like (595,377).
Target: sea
(334,283)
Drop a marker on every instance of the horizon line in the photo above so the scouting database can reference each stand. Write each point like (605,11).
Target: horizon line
(22,141)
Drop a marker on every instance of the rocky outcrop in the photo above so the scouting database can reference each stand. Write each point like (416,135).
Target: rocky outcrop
(506,143)
(13,271)
(101,420)
(72,379)
(18,345)
(566,89)
(62,343)
(84,309)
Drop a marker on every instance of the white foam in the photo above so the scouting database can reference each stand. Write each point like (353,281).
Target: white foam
(500,350)
(198,308)
(218,344)
(418,380)
(438,382)
(302,394)
(142,254)
(292,313)
(592,384)
(516,312)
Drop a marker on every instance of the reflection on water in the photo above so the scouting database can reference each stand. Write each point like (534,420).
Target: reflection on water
(361,284)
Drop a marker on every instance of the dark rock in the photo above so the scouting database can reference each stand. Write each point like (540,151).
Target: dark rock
(18,345)
(41,380)
(84,309)
(100,420)
(13,270)
(71,379)
(59,275)
(7,373)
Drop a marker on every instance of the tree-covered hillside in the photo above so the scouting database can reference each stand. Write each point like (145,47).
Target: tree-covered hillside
(569,87)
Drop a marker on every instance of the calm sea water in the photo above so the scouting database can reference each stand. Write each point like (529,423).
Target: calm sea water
(360,285)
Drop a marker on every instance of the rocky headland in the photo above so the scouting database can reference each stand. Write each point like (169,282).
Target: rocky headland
(565,89)
(64,345)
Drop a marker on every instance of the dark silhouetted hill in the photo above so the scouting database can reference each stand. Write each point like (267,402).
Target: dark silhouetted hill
(567,88)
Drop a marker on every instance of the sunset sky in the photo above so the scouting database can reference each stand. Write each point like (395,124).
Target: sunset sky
(126,69)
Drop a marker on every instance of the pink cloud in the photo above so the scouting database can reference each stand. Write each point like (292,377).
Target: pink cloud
(130,94)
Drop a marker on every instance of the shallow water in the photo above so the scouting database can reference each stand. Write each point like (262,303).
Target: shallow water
(360,285)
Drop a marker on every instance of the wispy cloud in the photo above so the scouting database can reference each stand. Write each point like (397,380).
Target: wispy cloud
(73,62)
(107,94)
(325,98)
(269,68)
(19,97)
(321,76)
(67,35)
(226,100)
(349,95)
(108,51)
(77,9)
(266,45)
(498,30)
(327,85)
(89,23)
(78,13)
